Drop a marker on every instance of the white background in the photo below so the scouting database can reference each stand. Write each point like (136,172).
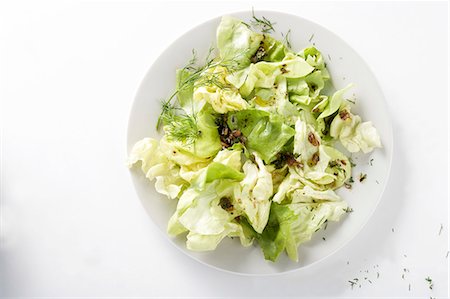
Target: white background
(71,224)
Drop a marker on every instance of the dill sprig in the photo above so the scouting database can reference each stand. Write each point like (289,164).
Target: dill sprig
(230,64)
(287,39)
(264,24)
(178,126)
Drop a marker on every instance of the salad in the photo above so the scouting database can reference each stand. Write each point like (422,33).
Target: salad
(250,141)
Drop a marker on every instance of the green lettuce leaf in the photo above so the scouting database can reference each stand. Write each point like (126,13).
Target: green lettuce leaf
(157,166)
(236,42)
(293,224)
(354,134)
(264,136)
(335,102)
(254,193)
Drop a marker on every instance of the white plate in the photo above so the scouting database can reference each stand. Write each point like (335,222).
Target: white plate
(345,66)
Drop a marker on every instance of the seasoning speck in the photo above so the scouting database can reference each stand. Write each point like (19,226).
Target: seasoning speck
(430,282)
(362,177)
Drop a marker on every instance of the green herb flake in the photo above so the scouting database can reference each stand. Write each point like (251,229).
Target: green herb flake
(430,282)
(264,24)
(362,177)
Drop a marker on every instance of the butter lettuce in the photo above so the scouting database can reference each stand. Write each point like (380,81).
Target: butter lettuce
(264,136)
(236,41)
(254,193)
(354,134)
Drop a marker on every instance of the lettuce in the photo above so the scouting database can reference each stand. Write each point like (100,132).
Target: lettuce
(157,166)
(258,159)
(264,136)
(236,42)
(354,134)
(254,193)
(293,224)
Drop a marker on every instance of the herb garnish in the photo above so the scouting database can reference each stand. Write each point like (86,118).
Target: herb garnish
(348,210)
(440,229)
(362,177)
(310,39)
(353,282)
(287,39)
(430,282)
(264,24)
(181,126)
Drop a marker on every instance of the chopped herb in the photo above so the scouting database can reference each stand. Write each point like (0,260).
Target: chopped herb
(312,139)
(353,282)
(392,229)
(348,210)
(344,114)
(350,180)
(378,274)
(310,39)
(326,224)
(287,39)
(226,204)
(329,57)
(362,177)
(260,53)
(430,282)
(446,256)
(409,287)
(351,162)
(351,101)
(377,182)
(440,229)
(314,159)
(371,160)
(323,238)
(179,126)
(196,78)
(369,281)
(264,24)
(403,276)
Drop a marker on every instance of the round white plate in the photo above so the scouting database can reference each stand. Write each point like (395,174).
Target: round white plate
(345,66)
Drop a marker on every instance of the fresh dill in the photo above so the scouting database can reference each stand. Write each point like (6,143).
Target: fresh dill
(263,24)
(287,39)
(311,37)
(353,282)
(348,210)
(430,282)
(371,162)
(179,126)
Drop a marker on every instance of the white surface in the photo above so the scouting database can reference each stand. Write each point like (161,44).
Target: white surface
(346,67)
(71,222)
